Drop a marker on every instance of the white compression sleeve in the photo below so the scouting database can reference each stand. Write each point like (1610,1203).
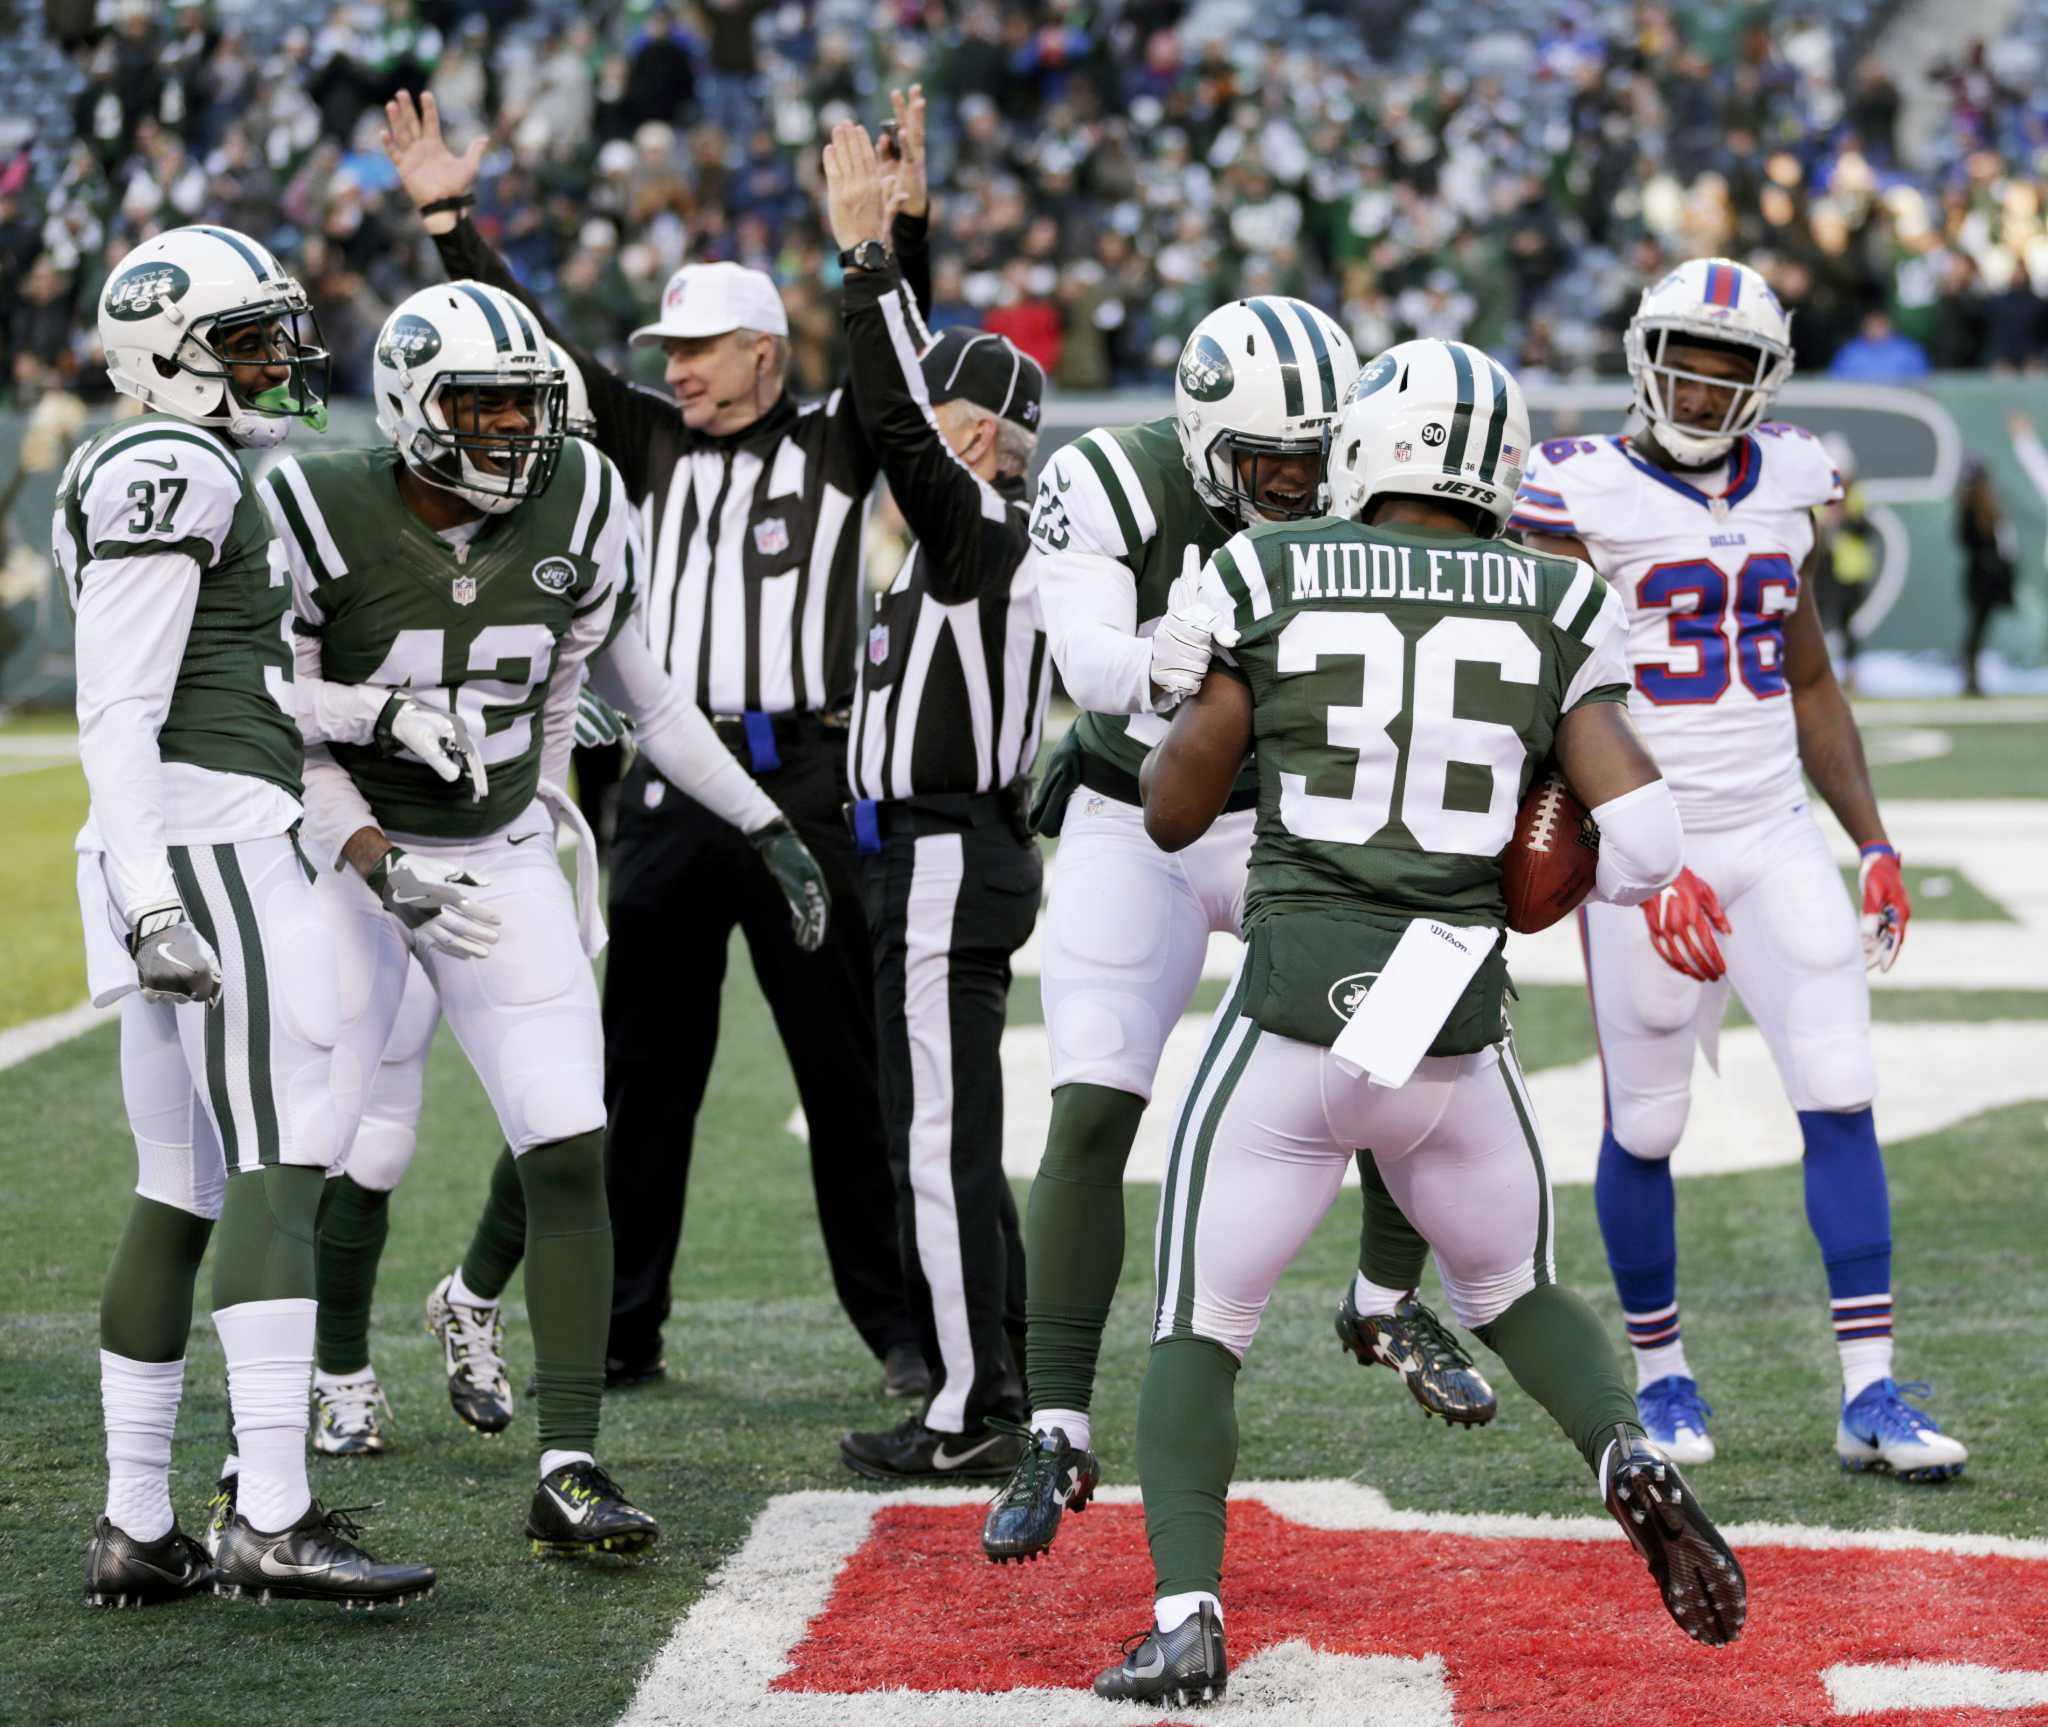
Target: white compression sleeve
(1642,844)
(1091,614)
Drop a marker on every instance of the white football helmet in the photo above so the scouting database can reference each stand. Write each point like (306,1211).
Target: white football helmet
(438,351)
(577,419)
(1258,377)
(1722,304)
(1431,419)
(172,302)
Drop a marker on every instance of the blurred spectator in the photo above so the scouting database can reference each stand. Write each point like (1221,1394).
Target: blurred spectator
(1879,355)
(1987,542)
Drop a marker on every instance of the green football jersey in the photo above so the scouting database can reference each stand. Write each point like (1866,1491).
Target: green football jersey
(156,485)
(486,628)
(1126,495)
(1405,688)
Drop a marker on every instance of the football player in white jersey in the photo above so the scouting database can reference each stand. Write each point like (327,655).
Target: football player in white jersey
(1703,522)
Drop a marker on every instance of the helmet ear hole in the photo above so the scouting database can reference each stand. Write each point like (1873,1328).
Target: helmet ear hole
(163,367)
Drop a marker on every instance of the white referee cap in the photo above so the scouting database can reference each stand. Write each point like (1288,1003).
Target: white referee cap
(711,299)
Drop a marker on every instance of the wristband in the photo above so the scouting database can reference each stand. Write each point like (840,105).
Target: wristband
(450,206)
(1878,849)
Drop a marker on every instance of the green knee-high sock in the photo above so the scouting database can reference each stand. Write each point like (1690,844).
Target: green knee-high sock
(1074,1240)
(1187,1453)
(568,1285)
(146,1301)
(500,1239)
(1561,1355)
(265,1252)
(354,1222)
(1390,1252)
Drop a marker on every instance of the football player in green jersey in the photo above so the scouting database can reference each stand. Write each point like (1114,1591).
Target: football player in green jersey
(478,560)
(1399,674)
(199,919)
(1121,517)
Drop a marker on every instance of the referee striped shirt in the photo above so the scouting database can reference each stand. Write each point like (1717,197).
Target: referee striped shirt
(752,587)
(954,673)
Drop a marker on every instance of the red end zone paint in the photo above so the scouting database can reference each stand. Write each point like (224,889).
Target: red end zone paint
(1534,1632)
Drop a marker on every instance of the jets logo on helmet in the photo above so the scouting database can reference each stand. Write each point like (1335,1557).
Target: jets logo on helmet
(1258,385)
(1464,411)
(1717,304)
(470,394)
(203,323)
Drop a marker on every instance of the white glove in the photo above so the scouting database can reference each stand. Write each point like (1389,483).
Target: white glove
(1181,645)
(440,740)
(429,898)
(172,959)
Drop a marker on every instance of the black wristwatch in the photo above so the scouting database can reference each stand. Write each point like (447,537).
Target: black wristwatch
(868,255)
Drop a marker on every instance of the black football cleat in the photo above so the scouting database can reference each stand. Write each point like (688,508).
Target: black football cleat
(1051,1477)
(1697,1574)
(579,1509)
(123,1572)
(1420,1348)
(911,1451)
(314,1560)
(621,1374)
(473,1352)
(1178,1669)
(904,1373)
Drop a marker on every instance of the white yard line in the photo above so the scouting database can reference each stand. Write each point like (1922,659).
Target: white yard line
(24,1042)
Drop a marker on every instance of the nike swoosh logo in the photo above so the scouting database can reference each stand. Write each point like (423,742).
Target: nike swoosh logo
(1155,1666)
(1060,480)
(574,1513)
(940,1460)
(521,839)
(180,1576)
(167,462)
(272,1566)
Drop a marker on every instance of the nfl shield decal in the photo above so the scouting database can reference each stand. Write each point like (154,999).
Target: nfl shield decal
(1404,451)
(771,536)
(878,644)
(462,590)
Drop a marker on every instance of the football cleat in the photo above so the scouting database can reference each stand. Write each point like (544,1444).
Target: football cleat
(904,1373)
(316,1559)
(1420,1348)
(911,1451)
(1675,1417)
(123,1572)
(1881,1430)
(218,1510)
(1181,1668)
(473,1351)
(621,1374)
(579,1509)
(345,1420)
(1699,1577)
(1051,1477)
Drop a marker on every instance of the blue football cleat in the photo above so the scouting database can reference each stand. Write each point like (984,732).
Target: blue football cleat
(1881,1430)
(1675,1418)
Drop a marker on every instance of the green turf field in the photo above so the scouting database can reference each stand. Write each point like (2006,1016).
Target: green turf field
(767,1373)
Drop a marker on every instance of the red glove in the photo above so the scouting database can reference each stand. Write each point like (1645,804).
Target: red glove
(1885,907)
(1682,922)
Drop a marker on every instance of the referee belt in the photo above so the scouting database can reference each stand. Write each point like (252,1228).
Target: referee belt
(759,739)
(1099,775)
(871,820)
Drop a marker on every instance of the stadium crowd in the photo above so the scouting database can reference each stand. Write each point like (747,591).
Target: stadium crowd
(1105,171)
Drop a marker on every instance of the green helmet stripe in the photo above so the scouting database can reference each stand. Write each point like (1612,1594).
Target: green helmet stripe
(1461,419)
(499,333)
(239,247)
(1325,373)
(1489,464)
(533,342)
(1283,345)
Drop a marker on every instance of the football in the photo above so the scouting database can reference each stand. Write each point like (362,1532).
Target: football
(1550,862)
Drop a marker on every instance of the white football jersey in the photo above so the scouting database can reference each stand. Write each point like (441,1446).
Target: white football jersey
(1708,567)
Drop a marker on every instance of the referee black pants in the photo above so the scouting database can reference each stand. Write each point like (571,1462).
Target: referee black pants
(949,902)
(681,880)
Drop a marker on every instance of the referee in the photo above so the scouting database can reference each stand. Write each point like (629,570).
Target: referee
(753,584)
(946,719)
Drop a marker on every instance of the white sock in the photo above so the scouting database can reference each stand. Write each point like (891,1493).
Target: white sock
(1660,1363)
(139,1400)
(461,1293)
(269,1346)
(231,1467)
(1864,1363)
(1369,1297)
(1071,1422)
(550,1461)
(1170,1612)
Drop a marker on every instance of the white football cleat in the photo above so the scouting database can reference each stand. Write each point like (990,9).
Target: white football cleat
(345,1420)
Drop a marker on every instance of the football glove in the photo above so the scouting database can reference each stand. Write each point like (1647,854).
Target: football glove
(1057,784)
(432,900)
(802,882)
(1682,922)
(599,724)
(1181,645)
(172,959)
(440,740)
(1885,906)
